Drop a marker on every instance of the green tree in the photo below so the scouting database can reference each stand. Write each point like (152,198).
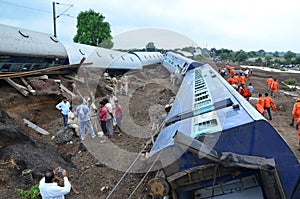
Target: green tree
(297,60)
(289,56)
(150,47)
(240,56)
(276,54)
(252,54)
(93,30)
(268,59)
(261,53)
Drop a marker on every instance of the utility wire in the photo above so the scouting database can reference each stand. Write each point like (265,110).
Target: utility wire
(31,8)
(40,10)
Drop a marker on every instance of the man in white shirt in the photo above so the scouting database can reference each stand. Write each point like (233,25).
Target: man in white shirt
(73,121)
(64,107)
(49,188)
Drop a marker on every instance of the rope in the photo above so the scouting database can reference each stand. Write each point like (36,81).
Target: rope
(110,193)
(144,175)
(118,183)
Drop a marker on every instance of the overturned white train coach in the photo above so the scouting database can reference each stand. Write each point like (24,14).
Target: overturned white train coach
(25,50)
(216,145)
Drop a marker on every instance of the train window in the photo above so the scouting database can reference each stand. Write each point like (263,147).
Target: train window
(53,38)
(36,66)
(202,97)
(201,93)
(207,124)
(202,104)
(26,67)
(111,56)
(24,34)
(98,54)
(81,52)
(16,67)
(122,57)
(5,67)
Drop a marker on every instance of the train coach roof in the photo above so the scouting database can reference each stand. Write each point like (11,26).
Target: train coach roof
(204,90)
(26,42)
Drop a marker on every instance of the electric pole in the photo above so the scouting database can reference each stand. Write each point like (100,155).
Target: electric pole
(54,19)
(63,13)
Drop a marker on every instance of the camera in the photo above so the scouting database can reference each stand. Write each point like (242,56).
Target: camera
(60,169)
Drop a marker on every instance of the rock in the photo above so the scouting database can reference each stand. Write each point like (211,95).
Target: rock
(64,135)
(98,164)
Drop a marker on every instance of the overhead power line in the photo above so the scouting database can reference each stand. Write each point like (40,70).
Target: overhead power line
(18,5)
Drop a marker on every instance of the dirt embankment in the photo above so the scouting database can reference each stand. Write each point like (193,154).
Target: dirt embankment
(23,148)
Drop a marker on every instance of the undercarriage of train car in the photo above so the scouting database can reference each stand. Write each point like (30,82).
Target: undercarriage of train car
(220,175)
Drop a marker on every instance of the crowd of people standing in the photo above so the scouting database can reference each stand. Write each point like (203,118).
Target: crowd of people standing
(238,79)
(79,118)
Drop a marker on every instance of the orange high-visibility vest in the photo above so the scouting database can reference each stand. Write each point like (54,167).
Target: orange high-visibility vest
(243,80)
(274,86)
(236,79)
(270,81)
(259,108)
(296,111)
(261,101)
(268,101)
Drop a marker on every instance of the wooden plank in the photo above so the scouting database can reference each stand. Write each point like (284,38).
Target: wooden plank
(18,87)
(40,71)
(62,87)
(35,127)
(30,89)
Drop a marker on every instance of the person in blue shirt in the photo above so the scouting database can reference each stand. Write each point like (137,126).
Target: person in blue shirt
(64,107)
(251,89)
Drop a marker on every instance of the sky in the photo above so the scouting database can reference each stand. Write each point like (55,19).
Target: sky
(233,24)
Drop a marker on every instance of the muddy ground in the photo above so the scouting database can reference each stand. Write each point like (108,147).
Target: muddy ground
(87,163)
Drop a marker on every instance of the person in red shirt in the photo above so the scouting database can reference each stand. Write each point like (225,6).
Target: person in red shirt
(118,115)
(267,104)
(269,82)
(103,116)
(296,112)
(274,87)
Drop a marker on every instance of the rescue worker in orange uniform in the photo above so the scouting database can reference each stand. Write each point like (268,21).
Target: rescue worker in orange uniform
(298,123)
(269,82)
(274,87)
(230,80)
(242,79)
(236,79)
(247,93)
(260,104)
(296,112)
(267,104)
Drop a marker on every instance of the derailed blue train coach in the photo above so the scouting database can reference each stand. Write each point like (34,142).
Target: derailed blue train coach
(216,145)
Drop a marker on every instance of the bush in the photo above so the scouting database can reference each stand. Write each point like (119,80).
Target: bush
(290,81)
(32,193)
